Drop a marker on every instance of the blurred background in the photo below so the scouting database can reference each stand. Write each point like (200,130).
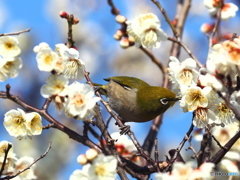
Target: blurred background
(104,58)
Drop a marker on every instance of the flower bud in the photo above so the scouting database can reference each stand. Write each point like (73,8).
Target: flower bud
(75,21)
(63,14)
(120,19)
(82,159)
(206,28)
(91,154)
(124,43)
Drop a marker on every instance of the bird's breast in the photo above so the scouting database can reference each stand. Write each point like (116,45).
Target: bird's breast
(123,101)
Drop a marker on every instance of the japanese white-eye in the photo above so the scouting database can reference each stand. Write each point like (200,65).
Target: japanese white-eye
(135,100)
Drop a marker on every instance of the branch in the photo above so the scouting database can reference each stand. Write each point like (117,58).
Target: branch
(15,33)
(5,158)
(154,60)
(29,166)
(43,112)
(221,153)
(186,137)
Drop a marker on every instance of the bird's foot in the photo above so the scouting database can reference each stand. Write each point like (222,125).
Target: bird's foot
(125,129)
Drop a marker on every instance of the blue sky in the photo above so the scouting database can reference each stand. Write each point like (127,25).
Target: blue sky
(93,36)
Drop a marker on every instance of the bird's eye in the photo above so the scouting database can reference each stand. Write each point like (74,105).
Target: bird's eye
(164,101)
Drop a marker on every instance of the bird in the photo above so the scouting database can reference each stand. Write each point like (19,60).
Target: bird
(134,100)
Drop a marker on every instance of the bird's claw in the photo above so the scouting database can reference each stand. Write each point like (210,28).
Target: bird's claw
(125,129)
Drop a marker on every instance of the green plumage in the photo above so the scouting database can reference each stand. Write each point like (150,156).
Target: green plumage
(135,100)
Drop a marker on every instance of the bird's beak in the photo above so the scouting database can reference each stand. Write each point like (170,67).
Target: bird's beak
(175,99)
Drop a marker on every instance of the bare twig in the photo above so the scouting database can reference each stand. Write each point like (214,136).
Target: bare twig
(30,165)
(154,60)
(15,33)
(5,158)
(114,10)
(221,153)
(216,25)
(186,137)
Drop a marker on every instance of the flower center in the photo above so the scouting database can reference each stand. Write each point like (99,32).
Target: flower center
(100,170)
(225,112)
(186,76)
(201,114)
(71,70)
(9,45)
(79,100)
(48,59)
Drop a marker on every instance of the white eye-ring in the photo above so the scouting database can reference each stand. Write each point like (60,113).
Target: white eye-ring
(164,101)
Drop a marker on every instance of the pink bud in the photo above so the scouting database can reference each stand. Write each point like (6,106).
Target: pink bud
(124,43)
(63,14)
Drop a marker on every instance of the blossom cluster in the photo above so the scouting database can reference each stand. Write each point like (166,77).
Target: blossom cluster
(10,62)
(20,124)
(228,10)
(146,31)
(187,171)
(95,167)
(200,88)
(13,164)
(63,60)
(77,98)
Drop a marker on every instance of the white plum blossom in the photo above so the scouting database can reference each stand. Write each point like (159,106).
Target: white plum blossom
(203,172)
(195,97)
(46,59)
(123,140)
(33,123)
(203,117)
(9,46)
(81,173)
(42,45)
(210,80)
(23,163)
(187,171)
(101,168)
(56,84)
(181,170)
(20,124)
(223,134)
(73,66)
(146,31)
(183,73)
(9,67)
(218,63)
(80,101)
(228,10)
(11,158)
(224,114)
(229,166)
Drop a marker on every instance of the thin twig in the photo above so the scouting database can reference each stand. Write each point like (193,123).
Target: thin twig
(30,165)
(216,25)
(5,158)
(154,59)
(186,138)
(15,33)
(221,153)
